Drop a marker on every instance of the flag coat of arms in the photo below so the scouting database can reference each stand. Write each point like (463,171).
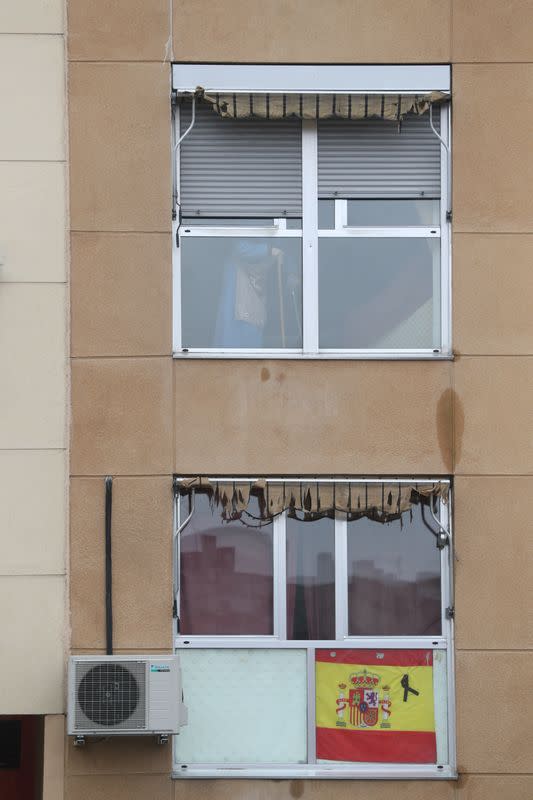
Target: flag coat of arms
(375,706)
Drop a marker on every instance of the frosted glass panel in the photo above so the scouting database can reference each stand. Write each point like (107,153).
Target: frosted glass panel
(240,710)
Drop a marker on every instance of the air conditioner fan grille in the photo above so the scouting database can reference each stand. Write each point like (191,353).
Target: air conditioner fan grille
(110,695)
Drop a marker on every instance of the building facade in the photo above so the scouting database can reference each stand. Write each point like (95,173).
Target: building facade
(143,416)
(34,404)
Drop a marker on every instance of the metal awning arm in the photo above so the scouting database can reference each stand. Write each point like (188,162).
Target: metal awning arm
(442,536)
(189,517)
(178,531)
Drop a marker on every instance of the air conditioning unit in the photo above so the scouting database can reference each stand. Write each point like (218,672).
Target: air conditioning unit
(125,696)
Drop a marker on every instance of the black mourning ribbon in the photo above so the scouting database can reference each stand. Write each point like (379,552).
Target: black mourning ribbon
(406,688)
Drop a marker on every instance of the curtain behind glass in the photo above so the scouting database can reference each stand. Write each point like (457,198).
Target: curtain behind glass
(310,579)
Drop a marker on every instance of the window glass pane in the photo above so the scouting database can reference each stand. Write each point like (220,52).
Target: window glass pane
(228,222)
(363,213)
(310,579)
(241,292)
(379,292)
(225,573)
(240,712)
(326,214)
(393,700)
(394,584)
(294,224)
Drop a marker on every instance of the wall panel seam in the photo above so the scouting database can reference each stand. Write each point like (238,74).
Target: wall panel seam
(118,61)
(34,449)
(494,649)
(32,161)
(111,356)
(490,63)
(122,232)
(119,475)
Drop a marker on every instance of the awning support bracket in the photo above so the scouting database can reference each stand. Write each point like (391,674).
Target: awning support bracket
(442,536)
(178,532)
(448,163)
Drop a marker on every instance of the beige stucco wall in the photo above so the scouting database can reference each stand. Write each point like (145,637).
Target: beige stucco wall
(140,416)
(33,357)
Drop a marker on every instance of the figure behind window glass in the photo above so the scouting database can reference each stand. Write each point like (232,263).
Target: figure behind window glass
(260,302)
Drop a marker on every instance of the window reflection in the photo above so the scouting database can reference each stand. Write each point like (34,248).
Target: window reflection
(393,578)
(226,573)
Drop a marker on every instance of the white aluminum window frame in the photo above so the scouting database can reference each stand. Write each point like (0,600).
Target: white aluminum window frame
(444,642)
(310,235)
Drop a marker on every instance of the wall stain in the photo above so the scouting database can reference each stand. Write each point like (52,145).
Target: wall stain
(281,377)
(265,374)
(450,427)
(458,428)
(296,788)
(445,428)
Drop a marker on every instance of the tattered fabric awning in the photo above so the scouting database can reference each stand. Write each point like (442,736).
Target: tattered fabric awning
(382,501)
(393,107)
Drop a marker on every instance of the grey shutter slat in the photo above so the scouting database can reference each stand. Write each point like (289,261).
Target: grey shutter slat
(370,158)
(240,168)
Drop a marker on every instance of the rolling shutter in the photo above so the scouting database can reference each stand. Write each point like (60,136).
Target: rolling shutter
(240,168)
(372,158)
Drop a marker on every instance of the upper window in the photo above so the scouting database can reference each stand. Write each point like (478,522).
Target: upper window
(311,225)
(314,628)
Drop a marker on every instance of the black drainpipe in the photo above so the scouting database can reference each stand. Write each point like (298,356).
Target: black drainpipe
(108,567)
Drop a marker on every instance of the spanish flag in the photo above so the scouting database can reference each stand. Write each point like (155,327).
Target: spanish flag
(375,705)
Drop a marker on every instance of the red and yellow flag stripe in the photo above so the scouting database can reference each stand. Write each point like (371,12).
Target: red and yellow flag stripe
(375,706)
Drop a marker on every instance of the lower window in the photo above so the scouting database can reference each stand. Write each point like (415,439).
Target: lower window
(314,626)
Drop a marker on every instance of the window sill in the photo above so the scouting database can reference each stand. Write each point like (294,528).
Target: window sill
(321,772)
(325,355)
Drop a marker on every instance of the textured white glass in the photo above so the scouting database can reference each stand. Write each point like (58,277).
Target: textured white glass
(245,707)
